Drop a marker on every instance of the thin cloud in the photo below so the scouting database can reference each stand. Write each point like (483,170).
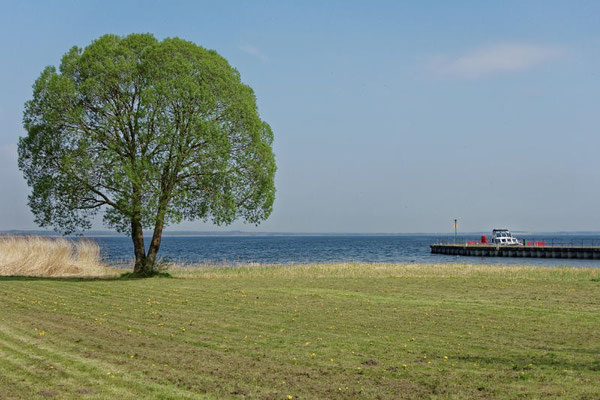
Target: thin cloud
(495,59)
(254,51)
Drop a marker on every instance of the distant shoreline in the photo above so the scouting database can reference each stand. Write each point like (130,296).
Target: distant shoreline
(92,233)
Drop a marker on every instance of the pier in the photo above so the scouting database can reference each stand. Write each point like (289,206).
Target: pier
(489,250)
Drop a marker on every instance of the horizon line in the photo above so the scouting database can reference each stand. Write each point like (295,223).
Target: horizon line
(100,232)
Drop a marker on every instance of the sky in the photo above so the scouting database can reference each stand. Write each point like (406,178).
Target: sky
(388,116)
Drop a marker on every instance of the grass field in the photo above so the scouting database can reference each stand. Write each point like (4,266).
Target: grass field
(305,332)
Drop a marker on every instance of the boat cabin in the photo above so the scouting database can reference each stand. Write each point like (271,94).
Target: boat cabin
(504,238)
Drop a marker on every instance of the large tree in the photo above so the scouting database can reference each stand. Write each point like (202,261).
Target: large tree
(152,132)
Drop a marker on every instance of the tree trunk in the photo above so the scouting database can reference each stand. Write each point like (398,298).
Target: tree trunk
(155,243)
(145,263)
(137,235)
(158,228)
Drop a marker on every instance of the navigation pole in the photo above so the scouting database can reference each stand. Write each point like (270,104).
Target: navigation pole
(455,229)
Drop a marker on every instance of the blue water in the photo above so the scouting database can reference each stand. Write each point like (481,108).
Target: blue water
(321,249)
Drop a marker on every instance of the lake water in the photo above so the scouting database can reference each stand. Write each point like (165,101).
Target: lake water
(327,248)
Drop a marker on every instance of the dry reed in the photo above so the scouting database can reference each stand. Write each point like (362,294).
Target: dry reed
(49,257)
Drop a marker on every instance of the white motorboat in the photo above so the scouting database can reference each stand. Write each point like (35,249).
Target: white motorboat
(503,237)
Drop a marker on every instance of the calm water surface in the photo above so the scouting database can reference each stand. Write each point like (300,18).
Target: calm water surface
(321,249)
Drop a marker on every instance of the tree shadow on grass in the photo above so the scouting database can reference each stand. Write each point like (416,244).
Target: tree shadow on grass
(127,276)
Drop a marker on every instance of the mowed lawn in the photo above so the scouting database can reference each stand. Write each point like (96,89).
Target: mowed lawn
(305,332)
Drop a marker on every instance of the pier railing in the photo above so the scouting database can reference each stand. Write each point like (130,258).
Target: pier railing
(531,242)
(576,248)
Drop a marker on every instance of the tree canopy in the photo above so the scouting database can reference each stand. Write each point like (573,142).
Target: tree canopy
(151,132)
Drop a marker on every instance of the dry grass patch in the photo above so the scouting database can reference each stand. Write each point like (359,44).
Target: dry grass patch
(375,270)
(50,257)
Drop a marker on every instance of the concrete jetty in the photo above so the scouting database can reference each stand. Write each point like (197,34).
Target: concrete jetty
(489,250)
